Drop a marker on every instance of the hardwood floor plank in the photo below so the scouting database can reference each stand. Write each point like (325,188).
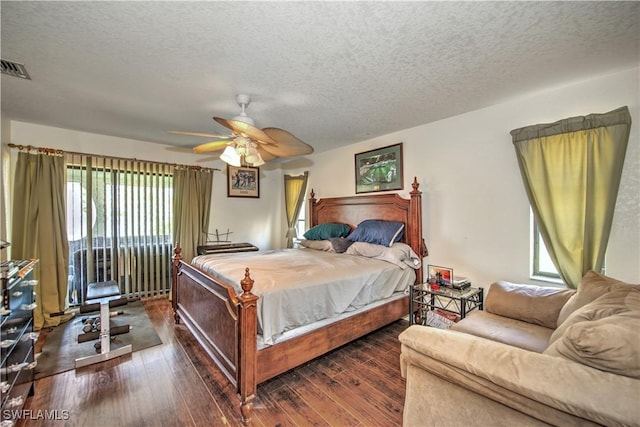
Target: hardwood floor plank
(266,408)
(329,409)
(176,384)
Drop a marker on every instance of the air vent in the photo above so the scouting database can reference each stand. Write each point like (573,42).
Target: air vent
(14,69)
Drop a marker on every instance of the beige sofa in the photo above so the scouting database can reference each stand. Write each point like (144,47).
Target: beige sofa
(535,356)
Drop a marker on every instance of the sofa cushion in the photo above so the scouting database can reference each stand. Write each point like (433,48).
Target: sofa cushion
(592,286)
(533,304)
(502,329)
(617,301)
(611,343)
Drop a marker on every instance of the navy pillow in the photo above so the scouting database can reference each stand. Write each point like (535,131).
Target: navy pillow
(326,231)
(378,231)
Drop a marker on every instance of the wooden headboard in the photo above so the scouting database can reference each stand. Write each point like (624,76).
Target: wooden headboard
(390,206)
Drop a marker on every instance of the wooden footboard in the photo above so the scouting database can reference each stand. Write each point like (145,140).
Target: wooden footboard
(224,323)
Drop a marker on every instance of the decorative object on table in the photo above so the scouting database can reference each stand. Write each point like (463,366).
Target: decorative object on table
(379,169)
(243,181)
(248,145)
(441,276)
(460,283)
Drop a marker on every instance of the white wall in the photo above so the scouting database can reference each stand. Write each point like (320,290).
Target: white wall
(251,220)
(5,134)
(476,213)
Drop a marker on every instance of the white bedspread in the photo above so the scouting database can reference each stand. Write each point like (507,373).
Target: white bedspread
(300,286)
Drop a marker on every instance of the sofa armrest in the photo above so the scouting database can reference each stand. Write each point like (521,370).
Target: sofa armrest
(547,388)
(532,304)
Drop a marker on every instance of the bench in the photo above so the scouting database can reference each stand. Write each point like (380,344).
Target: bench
(102,296)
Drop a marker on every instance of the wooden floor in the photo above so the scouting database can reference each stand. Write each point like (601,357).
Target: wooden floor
(175,384)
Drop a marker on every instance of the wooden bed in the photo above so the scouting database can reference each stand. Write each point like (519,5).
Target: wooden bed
(225,323)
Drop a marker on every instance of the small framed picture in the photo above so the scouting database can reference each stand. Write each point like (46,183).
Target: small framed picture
(440,275)
(379,169)
(243,181)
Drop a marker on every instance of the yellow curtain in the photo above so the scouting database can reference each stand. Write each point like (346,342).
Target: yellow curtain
(39,231)
(571,171)
(295,188)
(191,207)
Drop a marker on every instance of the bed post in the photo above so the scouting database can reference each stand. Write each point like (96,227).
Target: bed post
(247,347)
(313,219)
(415,215)
(177,257)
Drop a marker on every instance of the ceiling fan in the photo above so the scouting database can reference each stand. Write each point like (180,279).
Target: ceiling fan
(247,144)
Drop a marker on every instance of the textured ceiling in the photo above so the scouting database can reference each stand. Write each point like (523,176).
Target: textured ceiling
(332,73)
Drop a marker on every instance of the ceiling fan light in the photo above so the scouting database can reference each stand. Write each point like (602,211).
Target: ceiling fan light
(259,161)
(252,155)
(231,157)
(255,160)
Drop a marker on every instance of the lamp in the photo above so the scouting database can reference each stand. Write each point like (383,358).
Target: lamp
(252,155)
(230,156)
(242,151)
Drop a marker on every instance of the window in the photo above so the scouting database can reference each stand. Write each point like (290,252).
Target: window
(295,187)
(119,224)
(301,222)
(542,266)
(571,170)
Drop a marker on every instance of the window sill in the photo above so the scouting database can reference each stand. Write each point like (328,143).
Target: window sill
(555,281)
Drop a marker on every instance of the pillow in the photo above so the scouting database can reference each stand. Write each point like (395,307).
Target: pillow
(592,286)
(532,304)
(320,245)
(326,231)
(399,254)
(609,344)
(614,302)
(340,244)
(378,232)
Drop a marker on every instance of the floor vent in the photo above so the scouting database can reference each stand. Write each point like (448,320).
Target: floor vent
(14,69)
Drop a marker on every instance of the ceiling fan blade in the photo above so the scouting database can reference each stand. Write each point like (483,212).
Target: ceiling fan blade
(208,147)
(180,149)
(245,129)
(207,159)
(266,156)
(206,135)
(287,144)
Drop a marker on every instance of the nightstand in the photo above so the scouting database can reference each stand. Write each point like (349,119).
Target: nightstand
(425,297)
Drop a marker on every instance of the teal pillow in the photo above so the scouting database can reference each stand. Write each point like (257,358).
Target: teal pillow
(327,231)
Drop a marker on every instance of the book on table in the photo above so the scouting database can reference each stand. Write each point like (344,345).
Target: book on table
(460,283)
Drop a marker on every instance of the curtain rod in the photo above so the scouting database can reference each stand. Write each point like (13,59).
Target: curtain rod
(60,152)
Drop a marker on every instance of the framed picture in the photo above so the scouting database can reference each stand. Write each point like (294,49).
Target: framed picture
(379,169)
(446,274)
(243,181)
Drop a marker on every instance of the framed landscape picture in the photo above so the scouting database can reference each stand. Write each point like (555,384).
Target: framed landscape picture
(243,181)
(379,169)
